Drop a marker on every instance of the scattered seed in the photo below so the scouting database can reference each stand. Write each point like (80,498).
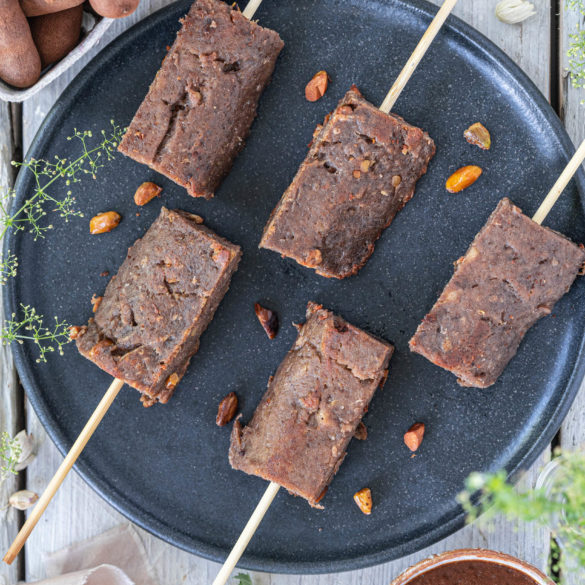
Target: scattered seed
(363,499)
(268,319)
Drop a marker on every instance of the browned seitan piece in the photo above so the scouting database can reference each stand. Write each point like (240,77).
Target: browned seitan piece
(360,171)
(202,102)
(300,431)
(155,309)
(512,275)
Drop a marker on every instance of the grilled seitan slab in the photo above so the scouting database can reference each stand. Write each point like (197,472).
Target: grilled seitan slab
(512,275)
(359,173)
(202,102)
(300,431)
(155,309)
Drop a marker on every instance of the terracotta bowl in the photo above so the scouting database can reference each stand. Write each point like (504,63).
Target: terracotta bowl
(470,554)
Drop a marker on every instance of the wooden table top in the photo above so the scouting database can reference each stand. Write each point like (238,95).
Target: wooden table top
(539,46)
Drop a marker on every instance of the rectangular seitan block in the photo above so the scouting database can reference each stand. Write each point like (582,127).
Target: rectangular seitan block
(360,171)
(153,312)
(313,405)
(202,102)
(512,275)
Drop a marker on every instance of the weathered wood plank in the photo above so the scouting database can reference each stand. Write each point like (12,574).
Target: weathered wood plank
(573,429)
(527,44)
(77,512)
(9,518)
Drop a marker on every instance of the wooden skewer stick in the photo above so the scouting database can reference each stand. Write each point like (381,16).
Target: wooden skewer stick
(247,534)
(560,185)
(63,470)
(386,106)
(417,55)
(251,8)
(273,487)
(86,434)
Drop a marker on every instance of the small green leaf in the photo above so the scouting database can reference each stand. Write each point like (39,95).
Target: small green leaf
(576,50)
(561,508)
(9,453)
(243,579)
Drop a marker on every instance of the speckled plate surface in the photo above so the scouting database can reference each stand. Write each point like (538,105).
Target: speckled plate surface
(166,467)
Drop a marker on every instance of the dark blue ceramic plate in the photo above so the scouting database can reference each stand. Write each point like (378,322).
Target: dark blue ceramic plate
(166,468)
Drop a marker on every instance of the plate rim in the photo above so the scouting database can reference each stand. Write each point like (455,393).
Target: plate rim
(205,550)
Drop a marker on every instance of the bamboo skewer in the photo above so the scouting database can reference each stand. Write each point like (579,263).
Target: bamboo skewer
(63,470)
(247,533)
(389,101)
(560,184)
(417,55)
(273,487)
(251,8)
(86,435)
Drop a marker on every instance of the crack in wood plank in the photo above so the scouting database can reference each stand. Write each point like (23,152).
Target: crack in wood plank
(11,416)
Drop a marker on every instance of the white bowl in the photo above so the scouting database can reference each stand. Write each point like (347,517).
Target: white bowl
(92,30)
(469,554)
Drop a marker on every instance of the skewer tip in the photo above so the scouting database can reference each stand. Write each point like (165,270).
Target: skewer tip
(9,558)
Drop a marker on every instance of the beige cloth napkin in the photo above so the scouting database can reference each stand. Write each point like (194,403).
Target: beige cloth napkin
(102,575)
(116,557)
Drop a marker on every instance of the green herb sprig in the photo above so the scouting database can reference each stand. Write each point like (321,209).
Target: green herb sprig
(31,327)
(243,579)
(49,177)
(9,453)
(30,214)
(576,50)
(561,508)
(8,267)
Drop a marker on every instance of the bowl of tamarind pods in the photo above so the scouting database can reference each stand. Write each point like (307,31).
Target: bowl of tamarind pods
(40,39)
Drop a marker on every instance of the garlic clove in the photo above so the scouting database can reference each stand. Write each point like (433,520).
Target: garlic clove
(514,11)
(22,499)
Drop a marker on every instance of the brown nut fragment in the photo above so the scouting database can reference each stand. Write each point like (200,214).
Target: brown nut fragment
(314,257)
(196,218)
(226,409)
(96,301)
(317,87)
(104,222)
(100,346)
(463,178)
(365,165)
(146,192)
(361,432)
(478,135)
(268,319)
(74,332)
(172,381)
(363,499)
(414,436)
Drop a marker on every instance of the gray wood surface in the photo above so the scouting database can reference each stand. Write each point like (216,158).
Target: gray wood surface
(77,512)
(573,112)
(9,518)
